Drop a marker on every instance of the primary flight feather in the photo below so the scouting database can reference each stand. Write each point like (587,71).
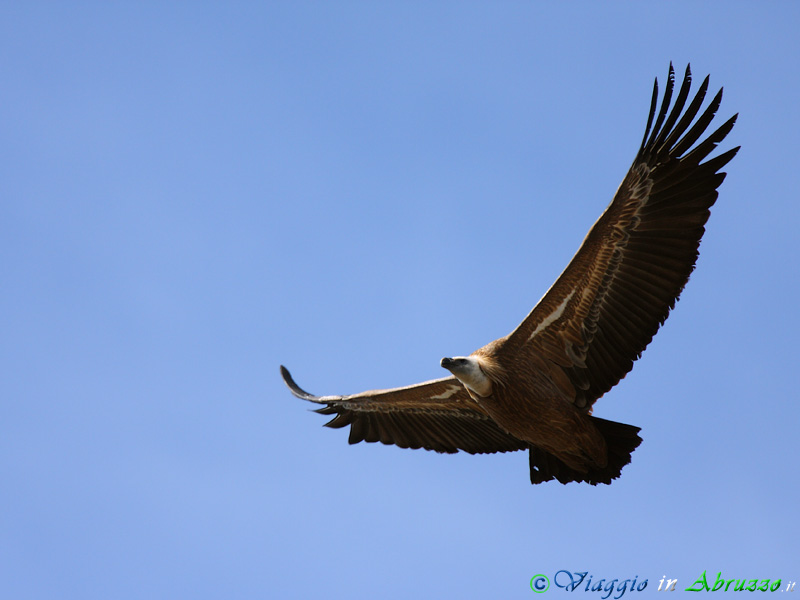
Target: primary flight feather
(534,388)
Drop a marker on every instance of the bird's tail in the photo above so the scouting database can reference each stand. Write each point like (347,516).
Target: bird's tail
(621,441)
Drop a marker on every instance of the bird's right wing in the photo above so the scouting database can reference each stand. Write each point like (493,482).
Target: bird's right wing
(436,415)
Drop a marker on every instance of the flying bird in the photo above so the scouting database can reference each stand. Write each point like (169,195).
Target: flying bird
(534,389)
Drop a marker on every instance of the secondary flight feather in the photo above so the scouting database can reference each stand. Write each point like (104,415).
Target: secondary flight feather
(534,388)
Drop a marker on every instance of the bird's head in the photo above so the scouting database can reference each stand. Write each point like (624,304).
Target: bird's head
(467,370)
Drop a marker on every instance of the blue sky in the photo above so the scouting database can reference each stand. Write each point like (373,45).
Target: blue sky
(195,193)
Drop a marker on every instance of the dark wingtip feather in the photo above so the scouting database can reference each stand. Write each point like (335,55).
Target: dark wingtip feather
(677,109)
(653,102)
(665,102)
(696,130)
(296,389)
(688,116)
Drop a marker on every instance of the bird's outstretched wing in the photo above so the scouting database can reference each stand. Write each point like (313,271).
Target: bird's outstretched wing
(607,305)
(436,415)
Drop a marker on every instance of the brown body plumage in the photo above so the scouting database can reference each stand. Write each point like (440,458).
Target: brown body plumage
(534,389)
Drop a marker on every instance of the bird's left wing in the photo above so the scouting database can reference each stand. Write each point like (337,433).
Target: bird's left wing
(436,415)
(607,305)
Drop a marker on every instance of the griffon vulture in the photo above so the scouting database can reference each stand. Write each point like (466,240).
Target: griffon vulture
(534,388)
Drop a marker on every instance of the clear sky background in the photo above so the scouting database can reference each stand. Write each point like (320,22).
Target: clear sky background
(194,193)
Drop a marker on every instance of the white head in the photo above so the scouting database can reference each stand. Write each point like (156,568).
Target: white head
(467,370)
